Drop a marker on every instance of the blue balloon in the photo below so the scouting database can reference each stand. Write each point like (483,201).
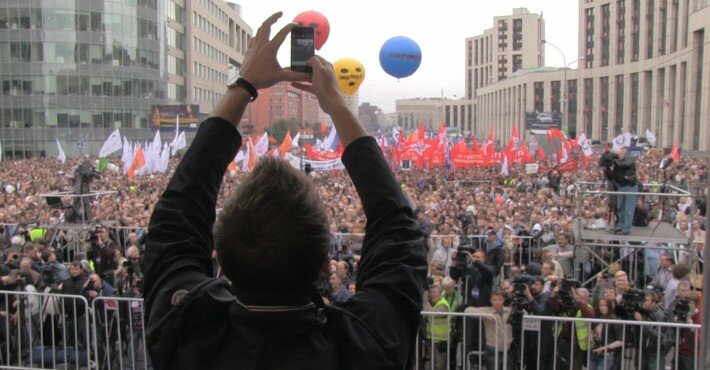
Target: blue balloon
(400,56)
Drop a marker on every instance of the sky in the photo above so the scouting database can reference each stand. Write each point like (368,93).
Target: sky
(359,28)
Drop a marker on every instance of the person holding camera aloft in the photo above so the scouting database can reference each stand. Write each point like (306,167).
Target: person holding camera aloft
(537,356)
(272,241)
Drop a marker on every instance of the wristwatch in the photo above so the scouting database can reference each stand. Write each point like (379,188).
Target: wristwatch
(244,84)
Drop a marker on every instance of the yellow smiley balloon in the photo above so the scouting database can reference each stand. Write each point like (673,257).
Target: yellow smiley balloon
(350,75)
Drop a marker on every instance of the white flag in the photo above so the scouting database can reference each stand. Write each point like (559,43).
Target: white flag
(181,143)
(127,155)
(164,159)
(245,161)
(112,144)
(651,137)
(239,157)
(621,141)
(585,144)
(328,142)
(262,146)
(504,170)
(60,153)
(294,141)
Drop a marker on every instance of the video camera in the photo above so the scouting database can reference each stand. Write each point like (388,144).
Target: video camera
(606,161)
(569,305)
(520,302)
(681,310)
(631,302)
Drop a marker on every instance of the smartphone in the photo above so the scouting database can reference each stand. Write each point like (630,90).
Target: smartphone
(302,48)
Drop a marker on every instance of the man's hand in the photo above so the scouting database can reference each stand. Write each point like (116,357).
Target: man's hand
(638,316)
(323,84)
(261,68)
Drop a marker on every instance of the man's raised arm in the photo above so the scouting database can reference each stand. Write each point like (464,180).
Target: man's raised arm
(392,271)
(179,244)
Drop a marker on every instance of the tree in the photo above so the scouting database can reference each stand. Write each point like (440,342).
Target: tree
(280,127)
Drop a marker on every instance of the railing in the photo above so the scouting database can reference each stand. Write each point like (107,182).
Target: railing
(43,330)
(47,330)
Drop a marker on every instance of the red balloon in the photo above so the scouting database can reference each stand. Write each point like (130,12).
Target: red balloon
(318,21)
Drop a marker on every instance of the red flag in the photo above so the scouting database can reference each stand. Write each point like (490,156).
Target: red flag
(474,147)
(420,131)
(606,147)
(286,145)
(138,162)
(323,128)
(541,154)
(491,135)
(674,153)
(252,156)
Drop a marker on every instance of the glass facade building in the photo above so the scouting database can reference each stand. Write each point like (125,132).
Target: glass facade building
(74,70)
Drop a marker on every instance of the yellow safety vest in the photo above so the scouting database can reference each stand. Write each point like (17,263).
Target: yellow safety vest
(582,329)
(438,325)
(37,233)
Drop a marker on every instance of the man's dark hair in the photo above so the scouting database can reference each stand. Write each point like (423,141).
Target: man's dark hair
(681,270)
(273,232)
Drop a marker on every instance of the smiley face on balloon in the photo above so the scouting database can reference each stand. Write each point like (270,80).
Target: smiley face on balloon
(350,74)
(318,21)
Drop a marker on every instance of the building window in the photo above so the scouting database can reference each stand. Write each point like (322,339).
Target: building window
(539,96)
(605,38)
(588,105)
(604,107)
(517,34)
(649,28)
(620,30)
(635,30)
(589,37)
(619,106)
(555,96)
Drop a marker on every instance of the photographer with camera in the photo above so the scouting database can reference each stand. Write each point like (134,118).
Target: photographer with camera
(476,278)
(620,169)
(569,300)
(102,253)
(643,306)
(529,292)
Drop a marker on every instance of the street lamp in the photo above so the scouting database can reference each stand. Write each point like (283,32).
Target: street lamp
(564,82)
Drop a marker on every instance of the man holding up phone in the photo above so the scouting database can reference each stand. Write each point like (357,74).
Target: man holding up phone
(272,240)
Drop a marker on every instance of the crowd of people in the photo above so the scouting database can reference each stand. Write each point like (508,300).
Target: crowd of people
(522,225)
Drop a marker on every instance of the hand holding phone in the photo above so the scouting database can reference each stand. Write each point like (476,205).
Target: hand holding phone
(302,48)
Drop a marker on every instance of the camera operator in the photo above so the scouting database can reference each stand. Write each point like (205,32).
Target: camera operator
(477,284)
(688,347)
(623,171)
(537,305)
(102,253)
(647,339)
(567,299)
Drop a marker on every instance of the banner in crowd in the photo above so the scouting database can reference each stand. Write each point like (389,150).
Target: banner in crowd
(318,155)
(317,165)
(165,115)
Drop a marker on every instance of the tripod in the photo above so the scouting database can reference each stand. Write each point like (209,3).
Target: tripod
(665,211)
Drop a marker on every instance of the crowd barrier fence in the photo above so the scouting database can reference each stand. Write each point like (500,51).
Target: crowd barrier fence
(57,331)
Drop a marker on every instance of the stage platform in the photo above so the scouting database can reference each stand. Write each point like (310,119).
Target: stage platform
(653,233)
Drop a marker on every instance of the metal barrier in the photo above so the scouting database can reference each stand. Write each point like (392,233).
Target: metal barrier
(556,343)
(43,330)
(466,346)
(119,333)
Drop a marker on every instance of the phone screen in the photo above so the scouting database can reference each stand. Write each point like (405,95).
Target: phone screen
(302,48)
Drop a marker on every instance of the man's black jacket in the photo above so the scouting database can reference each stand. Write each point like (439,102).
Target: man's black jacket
(210,328)
(478,283)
